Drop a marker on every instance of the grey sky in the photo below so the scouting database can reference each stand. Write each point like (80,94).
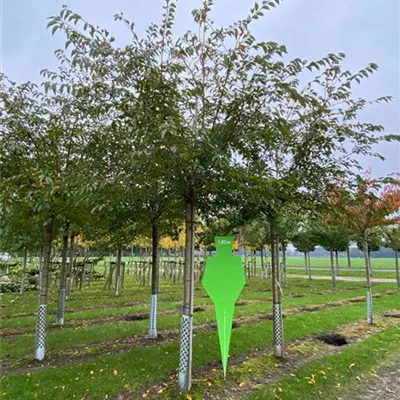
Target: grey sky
(366,30)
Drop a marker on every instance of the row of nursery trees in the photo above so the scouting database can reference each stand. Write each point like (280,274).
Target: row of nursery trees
(252,238)
(130,139)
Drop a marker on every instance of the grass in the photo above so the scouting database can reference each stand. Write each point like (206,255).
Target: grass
(167,302)
(139,367)
(335,375)
(327,272)
(136,369)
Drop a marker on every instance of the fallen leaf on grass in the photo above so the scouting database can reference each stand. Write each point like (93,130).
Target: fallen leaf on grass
(242,384)
(311,379)
(115,372)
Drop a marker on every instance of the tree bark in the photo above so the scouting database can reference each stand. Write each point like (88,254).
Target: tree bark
(263,275)
(40,338)
(155,276)
(305,263)
(185,356)
(333,272)
(63,283)
(309,266)
(22,288)
(40,267)
(285,280)
(348,257)
(118,273)
(337,262)
(368,276)
(84,268)
(276,292)
(69,278)
(369,262)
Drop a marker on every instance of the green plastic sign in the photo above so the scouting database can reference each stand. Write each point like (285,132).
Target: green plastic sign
(224,279)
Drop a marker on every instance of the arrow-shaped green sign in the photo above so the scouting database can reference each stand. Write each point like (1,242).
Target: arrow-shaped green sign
(224,279)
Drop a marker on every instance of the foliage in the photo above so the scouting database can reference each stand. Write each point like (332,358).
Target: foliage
(391,237)
(374,240)
(374,203)
(305,240)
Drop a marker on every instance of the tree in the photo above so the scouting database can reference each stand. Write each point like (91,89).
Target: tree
(370,205)
(392,240)
(41,156)
(256,234)
(213,84)
(29,163)
(301,145)
(374,242)
(333,239)
(236,110)
(305,241)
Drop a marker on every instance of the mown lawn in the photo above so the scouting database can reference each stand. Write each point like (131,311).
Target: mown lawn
(138,368)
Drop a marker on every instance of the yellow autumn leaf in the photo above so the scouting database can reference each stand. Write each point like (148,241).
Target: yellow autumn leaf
(242,384)
(209,384)
(115,372)
(352,365)
(188,397)
(91,372)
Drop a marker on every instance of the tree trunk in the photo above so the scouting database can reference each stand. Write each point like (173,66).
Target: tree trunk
(185,356)
(40,268)
(40,339)
(309,266)
(22,288)
(305,263)
(155,275)
(396,260)
(255,263)
(118,273)
(276,293)
(84,268)
(63,277)
(108,283)
(285,280)
(122,274)
(348,257)
(369,262)
(246,265)
(69,279)
(367,270)
(337,262)
(263,275)
(333,270)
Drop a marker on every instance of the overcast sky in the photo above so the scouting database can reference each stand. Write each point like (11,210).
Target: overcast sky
(366,30)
